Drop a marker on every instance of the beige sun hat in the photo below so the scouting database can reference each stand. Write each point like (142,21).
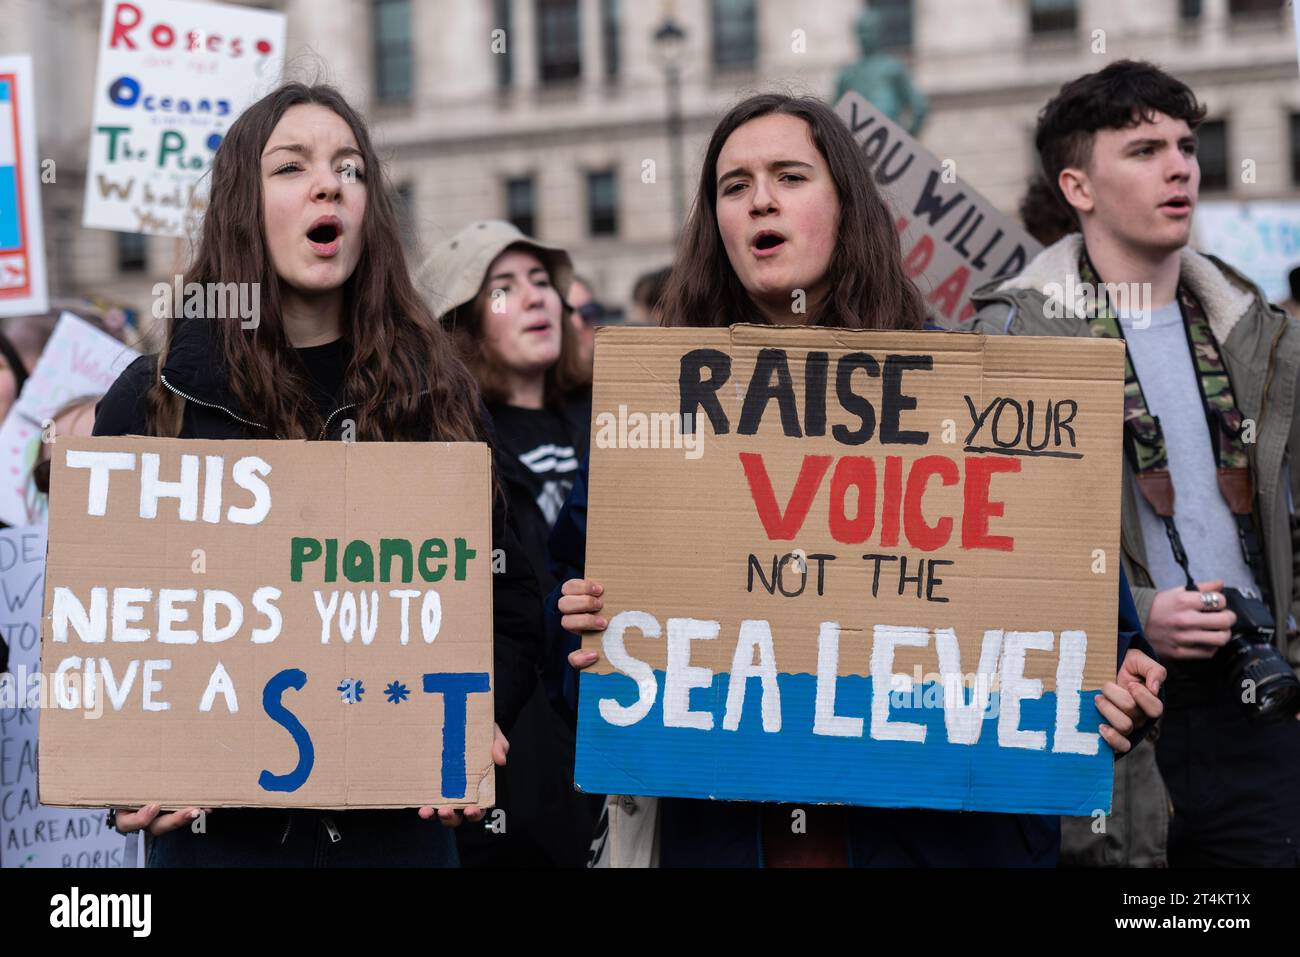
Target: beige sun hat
(454,271)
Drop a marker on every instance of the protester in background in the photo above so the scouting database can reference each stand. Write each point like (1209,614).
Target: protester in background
(1292,305)
(647,298)
(785,205)
(300,204)
(1208,358)
(1045,215)
(28,334)
(13,375)
(587,313)
(497,291)
(75,418)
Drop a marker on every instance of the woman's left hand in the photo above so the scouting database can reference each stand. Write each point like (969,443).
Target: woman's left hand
(455,816)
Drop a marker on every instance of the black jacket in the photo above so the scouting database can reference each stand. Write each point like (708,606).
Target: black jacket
(194,370)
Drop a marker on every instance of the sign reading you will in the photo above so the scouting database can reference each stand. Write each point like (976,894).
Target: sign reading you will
(290,624)
(953,239)
(873,577)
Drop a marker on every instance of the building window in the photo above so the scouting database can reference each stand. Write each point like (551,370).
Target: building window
(404,205)
(1053,16)
(393,63)
(559,40)
(1189,9)
(895,23)
(735,33)
(1295,148)
(1255,8)
(521,204)
(1212,152)
(602,203)
(609,39)
(131,252)
(501,44)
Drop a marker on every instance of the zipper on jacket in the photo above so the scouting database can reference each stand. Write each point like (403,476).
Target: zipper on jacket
(256,425)
(325,430)
(334,834)
(211,405)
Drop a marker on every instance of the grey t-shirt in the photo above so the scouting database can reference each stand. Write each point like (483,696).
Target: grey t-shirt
(1208,530)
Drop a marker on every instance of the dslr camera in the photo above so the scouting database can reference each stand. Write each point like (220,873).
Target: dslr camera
(1257,673)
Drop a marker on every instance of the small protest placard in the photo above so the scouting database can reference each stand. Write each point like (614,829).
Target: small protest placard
(853,567)
(22,245)
(953,239)
(31,834)
(171,78)
(1260,239)
(261,623)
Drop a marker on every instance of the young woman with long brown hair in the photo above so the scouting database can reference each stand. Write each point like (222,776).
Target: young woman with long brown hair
(343,347)
(788,228)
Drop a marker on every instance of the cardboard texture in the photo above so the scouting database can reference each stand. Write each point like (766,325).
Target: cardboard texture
(344,693)
(78,361)
(31,834)
(953,239)
(991,466)
(23,288)
(170,79)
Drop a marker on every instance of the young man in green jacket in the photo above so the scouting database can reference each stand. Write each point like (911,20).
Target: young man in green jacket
(1211,397)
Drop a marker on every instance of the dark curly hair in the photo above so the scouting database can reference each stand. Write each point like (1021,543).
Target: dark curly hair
(1124,94)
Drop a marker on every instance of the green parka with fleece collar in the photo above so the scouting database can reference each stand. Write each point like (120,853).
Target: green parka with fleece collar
(1261,349)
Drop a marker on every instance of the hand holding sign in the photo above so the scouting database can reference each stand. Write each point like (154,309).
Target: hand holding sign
(1130,700)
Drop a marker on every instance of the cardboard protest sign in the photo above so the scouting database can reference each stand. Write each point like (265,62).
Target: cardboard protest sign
(32,835)
(1261,240)
(953,239)
(22,244)
(78,361)
(877,568)
(171,78)
(289,624)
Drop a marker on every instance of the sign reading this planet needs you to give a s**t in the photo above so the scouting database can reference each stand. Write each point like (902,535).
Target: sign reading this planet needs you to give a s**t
(262,623)
(853,567)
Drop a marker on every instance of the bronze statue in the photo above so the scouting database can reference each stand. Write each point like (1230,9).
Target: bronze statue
(882,79)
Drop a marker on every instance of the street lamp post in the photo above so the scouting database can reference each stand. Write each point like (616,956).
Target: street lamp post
(670,42)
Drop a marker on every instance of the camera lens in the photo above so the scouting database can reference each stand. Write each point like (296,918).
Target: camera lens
(1268,689)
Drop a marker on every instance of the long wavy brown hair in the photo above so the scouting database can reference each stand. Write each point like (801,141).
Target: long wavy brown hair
(404,375)
(868,288)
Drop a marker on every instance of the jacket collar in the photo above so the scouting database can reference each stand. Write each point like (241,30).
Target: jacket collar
(1225,294)
(195,364)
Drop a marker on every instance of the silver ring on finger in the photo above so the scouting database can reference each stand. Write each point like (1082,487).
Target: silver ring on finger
(1209,600)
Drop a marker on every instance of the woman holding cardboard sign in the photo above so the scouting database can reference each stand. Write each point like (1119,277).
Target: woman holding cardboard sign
(341,346)
(788,229)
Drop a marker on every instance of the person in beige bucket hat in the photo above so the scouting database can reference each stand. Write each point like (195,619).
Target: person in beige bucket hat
(500,295)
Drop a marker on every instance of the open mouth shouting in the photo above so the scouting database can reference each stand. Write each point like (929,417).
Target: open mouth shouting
(325,236)
(767,243)
(1180,205)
